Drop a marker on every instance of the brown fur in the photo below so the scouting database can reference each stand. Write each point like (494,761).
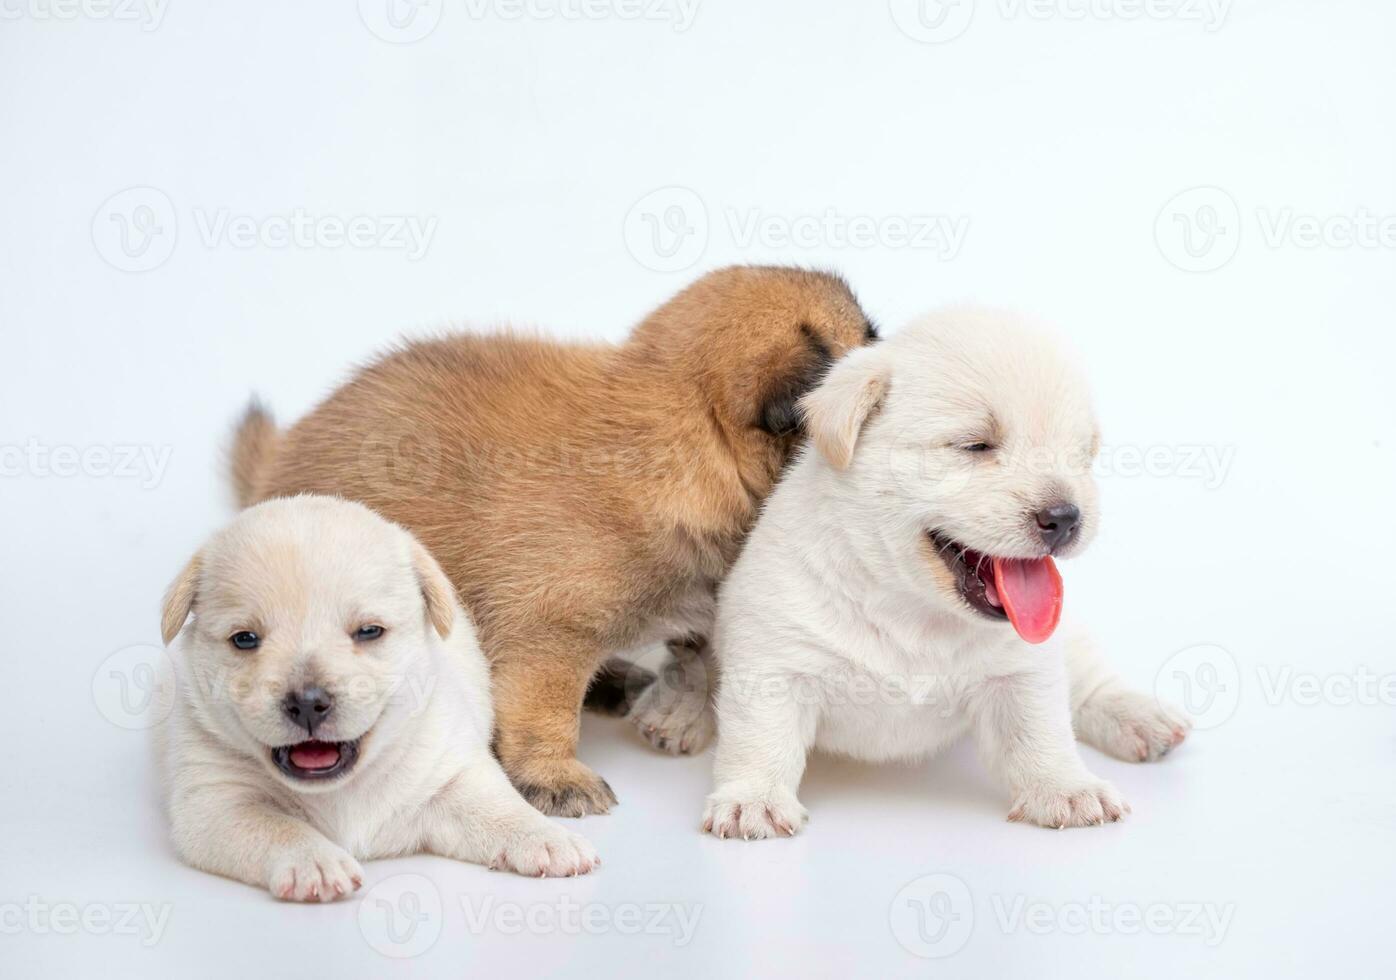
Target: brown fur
(579,497)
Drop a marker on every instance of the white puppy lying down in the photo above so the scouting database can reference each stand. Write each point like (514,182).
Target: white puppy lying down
(890,598)
(332,706)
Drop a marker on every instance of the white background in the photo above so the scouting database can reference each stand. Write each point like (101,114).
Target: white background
(1058,139)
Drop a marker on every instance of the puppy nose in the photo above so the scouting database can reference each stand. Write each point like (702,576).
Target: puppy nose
(308,707)
(1058,523)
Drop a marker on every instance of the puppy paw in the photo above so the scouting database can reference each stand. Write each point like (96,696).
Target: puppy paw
(1130,726)
(675,714)
(546,851)
(316,872)
(1085,804)
(677,725)
(565,788)
(753,816)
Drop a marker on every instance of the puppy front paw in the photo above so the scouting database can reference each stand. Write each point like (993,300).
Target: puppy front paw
(314,872)
(753,816)
(1130,726)
(564,788)
(1083,805)
(546,851)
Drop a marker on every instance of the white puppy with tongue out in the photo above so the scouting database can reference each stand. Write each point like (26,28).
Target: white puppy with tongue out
(900,591)
(332,705)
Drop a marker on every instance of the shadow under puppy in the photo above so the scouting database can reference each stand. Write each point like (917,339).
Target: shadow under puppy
(583,499)
(332,705)
(892,596)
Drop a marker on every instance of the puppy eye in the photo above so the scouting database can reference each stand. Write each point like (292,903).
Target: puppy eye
(245,640)
(977,447)
(366,633)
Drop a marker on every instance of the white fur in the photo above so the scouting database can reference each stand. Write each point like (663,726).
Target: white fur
(305,573)
(840,629)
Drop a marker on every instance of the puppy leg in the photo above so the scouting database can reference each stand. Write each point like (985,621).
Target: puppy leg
(765,734)
(1107,715)
(1024,733)
(232,832)
(616,687)
(482,819)
(538,696)
(675,713)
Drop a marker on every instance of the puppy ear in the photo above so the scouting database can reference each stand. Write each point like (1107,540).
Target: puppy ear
(179,599)
(836,411)
(436,590)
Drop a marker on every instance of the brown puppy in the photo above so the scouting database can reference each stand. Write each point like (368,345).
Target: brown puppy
(583,499)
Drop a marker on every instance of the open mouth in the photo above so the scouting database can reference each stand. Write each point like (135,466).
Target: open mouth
(316,760)
(1025,591)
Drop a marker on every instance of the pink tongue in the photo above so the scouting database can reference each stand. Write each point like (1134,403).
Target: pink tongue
(1031,592)
(314,755)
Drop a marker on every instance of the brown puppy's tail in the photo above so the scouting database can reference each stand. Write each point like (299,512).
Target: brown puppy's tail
(254,445)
